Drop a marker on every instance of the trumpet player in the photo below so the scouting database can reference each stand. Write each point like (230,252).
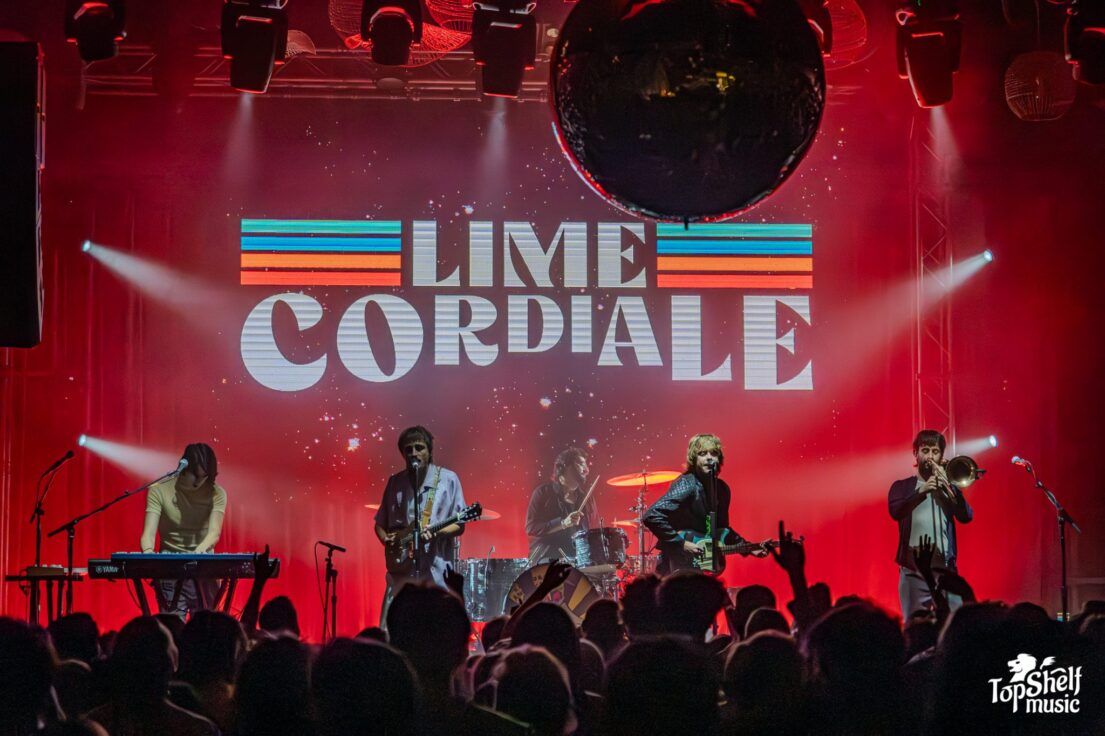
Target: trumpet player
(926,503)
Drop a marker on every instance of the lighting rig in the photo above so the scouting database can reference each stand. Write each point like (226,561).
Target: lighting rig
(929,39)
(1084,36)
(255,40)
(504,44)
(97,28)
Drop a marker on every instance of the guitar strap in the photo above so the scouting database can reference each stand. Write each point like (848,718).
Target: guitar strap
(428,509)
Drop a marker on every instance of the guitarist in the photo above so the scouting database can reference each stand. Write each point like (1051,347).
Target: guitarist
(685,507)
(439,497)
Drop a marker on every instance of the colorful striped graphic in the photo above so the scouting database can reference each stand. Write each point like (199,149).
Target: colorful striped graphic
(322,252)
(734,256)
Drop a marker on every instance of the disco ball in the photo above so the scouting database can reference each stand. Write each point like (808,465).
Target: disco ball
(1039,86)
(686,110)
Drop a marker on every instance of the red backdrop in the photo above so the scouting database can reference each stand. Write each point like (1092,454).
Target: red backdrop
(160,367)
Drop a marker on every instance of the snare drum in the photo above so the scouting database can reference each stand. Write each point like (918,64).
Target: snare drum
(486,583)
(600,550)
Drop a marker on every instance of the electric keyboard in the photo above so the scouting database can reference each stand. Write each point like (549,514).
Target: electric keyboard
(174,566)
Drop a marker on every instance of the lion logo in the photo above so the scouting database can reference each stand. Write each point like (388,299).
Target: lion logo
(1025,663)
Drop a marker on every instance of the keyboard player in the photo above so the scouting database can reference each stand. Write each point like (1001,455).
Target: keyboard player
(186,513)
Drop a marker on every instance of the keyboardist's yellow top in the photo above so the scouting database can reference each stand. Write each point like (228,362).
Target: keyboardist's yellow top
(184,515)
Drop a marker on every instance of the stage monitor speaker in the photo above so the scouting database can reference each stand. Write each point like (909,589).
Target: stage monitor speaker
(22,95)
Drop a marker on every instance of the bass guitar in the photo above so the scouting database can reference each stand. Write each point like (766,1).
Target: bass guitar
(705,561)
(399,552)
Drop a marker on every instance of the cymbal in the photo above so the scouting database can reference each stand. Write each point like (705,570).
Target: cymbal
(627,522)
(649,477)
(489,515)
(373,506)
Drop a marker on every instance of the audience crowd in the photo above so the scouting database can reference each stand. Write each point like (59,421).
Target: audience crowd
(650,663)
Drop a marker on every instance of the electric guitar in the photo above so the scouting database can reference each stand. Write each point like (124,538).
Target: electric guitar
(399,553)
(705,562)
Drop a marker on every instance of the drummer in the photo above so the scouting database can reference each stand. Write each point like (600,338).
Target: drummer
(555,512)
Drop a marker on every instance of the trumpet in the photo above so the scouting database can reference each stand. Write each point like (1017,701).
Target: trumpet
(961,471)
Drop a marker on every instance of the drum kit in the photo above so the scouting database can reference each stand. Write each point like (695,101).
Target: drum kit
(495,586)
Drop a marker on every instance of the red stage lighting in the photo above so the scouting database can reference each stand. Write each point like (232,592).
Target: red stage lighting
(929,39)
(1084,36)
(255,40)
(96,27)
(504,44)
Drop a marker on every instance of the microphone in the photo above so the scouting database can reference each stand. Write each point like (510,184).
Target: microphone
(415,463)
(1018,460)
(180,467)
(331,547)
(58,463)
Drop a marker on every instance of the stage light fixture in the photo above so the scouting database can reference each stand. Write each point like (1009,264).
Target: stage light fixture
(391,27)
(988,255)
(817,14)
(929,40)
(504,44)
(1084,39)
(96,28)
(86,246)
(255,40)
(82,440)
(993,441)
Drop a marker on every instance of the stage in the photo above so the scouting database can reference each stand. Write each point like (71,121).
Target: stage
(296,277)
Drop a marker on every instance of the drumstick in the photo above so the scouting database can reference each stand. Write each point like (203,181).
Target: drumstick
(589,492)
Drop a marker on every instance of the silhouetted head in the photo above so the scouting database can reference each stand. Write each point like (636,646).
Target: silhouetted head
(272,694)
(689,603)
(854,646)
(602,625)
(640,614)
(430,626)
(278,615)
(920,634)
(142,663)
(548,625)
(373,633)
(765,619)
(748,599)
(763,669)
(212,645)
(26,673)
(76,636)
(362,686)
(660,685)
(493,631)
(532,686)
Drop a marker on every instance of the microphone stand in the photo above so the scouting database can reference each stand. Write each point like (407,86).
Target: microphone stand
(711,500)
(332,594)
(70,527)
(36,517)
(1063,518)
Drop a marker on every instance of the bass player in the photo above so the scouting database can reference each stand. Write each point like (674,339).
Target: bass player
(686,507)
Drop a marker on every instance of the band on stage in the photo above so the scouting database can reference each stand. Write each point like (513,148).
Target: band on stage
(422,513)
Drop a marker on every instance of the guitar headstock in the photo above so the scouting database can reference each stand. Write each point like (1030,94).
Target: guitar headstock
(470,513)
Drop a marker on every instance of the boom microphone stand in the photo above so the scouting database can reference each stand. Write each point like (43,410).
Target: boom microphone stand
(70,527)
(1063,518)
(711,500)
(331,592)
(36,516)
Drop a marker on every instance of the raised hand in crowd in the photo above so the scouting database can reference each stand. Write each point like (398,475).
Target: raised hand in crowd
(791,556)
